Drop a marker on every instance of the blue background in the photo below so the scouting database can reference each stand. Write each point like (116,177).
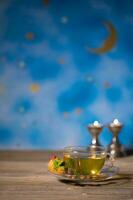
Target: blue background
(51,85)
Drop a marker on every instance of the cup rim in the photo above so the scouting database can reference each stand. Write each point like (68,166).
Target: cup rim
(84,150)
(84,147)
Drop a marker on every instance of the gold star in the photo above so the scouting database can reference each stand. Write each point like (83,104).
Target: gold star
(30,36)
(106,84)
(46,2)
(78,111)
(35,87)
(61,61)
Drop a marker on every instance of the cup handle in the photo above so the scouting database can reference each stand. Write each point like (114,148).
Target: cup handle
(111,160)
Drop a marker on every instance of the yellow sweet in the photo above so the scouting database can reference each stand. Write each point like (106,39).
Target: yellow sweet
(55,166)
(61,170)
(51,166)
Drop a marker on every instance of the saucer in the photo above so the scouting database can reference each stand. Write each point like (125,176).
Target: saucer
(107,173)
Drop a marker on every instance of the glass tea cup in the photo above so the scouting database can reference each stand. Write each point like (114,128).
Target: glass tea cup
(84,160)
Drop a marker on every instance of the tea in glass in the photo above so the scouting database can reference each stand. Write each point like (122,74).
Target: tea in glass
(81,161)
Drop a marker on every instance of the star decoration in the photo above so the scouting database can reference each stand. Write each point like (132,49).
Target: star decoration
(61,61)
(46,2)
(106,84)
(78,111)
(30,36)
(34,88)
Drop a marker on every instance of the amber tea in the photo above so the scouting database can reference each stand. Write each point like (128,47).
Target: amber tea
(84,166)
(85,162)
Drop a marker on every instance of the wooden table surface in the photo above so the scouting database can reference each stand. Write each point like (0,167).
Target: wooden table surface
(24,176)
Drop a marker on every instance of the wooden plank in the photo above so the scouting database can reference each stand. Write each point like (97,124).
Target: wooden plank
(26,155)
(25,176)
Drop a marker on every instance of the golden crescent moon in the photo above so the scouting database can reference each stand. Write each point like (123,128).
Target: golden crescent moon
(109,43)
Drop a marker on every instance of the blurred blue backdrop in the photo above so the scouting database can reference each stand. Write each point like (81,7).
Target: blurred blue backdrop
(53,82)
